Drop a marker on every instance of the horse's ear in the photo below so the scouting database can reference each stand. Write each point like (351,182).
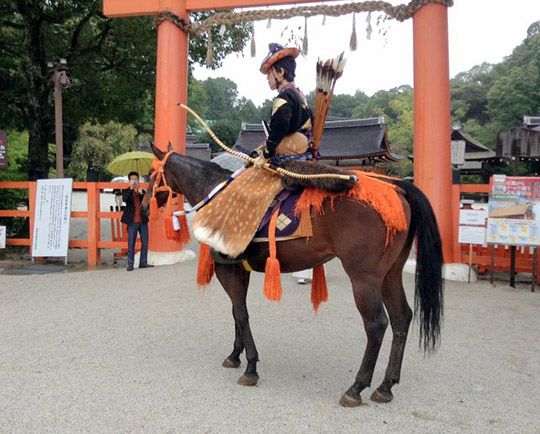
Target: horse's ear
(157,152)
(169,147)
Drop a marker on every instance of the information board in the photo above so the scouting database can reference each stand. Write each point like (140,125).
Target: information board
(51,221)
(472,226)
(514,211)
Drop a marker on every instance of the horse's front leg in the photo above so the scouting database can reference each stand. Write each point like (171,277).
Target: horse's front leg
(235,281)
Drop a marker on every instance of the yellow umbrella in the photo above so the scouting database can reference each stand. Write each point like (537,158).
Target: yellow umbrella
(140,162)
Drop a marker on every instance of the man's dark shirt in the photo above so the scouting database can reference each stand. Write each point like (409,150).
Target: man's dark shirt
(132,203)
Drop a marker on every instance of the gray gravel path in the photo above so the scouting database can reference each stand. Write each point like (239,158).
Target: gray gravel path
(109,351)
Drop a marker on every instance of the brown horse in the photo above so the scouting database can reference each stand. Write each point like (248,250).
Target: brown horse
(355,233)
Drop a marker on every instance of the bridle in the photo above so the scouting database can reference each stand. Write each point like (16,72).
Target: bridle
(160,184)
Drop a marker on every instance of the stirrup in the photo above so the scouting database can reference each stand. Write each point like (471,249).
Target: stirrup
(220,258)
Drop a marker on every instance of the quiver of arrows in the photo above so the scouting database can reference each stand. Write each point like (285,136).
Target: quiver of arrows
(327,75)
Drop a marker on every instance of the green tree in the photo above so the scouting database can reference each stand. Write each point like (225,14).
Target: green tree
(112,67)
(222,95)
(98,145)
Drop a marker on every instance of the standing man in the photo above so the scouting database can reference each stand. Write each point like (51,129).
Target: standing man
(135,220)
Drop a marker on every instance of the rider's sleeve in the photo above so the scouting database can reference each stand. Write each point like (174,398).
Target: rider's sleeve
(279,125)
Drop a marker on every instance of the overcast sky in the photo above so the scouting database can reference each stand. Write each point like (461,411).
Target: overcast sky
(479,31)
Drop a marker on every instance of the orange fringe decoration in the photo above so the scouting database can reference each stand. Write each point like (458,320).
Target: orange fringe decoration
(381,196)
(205,269)
(154,211)
(319,290)
(184,236)
(169,228)
(272,271)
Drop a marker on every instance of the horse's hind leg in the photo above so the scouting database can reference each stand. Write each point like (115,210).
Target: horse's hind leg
(235,281)
(367,295)
(400,317)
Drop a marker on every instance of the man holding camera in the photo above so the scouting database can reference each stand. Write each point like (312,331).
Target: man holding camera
(135,220)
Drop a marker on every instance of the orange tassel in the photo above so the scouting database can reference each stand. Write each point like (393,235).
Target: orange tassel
(272,271)
(205,269)
(154,211)
(319,290)
(169,228)
(184,236)
(272,280)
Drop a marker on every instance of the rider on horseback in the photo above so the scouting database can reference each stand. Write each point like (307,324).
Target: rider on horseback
(291,118)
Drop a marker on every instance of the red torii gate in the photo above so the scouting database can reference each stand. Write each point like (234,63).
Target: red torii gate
(432,164)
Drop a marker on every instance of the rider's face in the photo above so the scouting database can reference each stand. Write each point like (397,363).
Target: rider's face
(274,77)
(271,79)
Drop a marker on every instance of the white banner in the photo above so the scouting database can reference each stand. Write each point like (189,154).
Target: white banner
(51,221)
(2,237)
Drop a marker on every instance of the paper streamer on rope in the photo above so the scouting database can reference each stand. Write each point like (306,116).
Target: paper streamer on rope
(305,40)
(253,47)
(269,23)
(353,41)
(210,51)
(222,30)
(369,29)
(324,20)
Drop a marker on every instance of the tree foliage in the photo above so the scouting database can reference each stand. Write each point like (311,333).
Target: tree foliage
(98,145)
(111,65)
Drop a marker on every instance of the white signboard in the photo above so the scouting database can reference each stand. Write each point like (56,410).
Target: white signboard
(472,226)
(472,235)
(472,217)
(2,237)
(458,152)
(51,221)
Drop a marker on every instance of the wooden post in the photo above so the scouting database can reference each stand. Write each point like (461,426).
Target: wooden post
(513,266)
(94,230)
(432,156)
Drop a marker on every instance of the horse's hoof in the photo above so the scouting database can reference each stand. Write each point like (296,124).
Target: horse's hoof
(248,380)
(381,397)
(349,401)
(228,363)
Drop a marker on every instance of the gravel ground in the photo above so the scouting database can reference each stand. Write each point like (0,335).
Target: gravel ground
(109,351)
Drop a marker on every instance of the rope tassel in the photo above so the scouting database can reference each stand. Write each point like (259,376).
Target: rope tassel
(353,41)
(210,51)
(253,46)
(305,40)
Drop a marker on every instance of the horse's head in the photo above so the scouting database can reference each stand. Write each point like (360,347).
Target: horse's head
(156,182)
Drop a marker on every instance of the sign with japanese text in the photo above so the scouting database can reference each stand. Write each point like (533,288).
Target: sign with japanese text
(51,222)
(3,150)
(514,211)
(472,226)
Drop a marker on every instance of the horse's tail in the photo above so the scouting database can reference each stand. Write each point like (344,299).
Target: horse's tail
(428,296)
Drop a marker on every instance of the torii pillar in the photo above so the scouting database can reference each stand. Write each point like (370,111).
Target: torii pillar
(431,98)
(432,152)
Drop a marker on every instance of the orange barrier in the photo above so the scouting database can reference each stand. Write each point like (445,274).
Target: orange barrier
(93,243)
